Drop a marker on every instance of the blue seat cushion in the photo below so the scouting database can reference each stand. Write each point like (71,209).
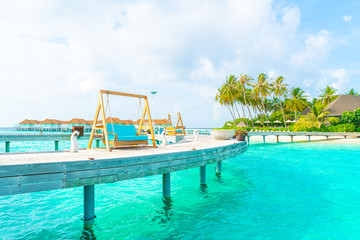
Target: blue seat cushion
(124,132)
(132,138)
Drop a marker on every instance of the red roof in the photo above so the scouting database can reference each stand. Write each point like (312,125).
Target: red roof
(50,121)
(156,121)
(27,121)
(78,120)
(117,120)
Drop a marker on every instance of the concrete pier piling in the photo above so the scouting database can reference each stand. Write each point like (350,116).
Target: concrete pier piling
(203,176)
(166,186)
(218,168)
(89,206)
(7,146)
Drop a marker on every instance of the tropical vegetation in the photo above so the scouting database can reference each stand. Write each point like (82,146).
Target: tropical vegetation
(270,103)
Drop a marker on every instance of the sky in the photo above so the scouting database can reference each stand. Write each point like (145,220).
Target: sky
(56,55)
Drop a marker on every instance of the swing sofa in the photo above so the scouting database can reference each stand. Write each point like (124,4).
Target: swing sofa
(122,135)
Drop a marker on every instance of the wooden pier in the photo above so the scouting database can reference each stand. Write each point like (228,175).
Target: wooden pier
(34,172)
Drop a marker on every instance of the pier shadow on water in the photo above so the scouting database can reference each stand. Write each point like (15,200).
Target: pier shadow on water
(88,234)
(165,213)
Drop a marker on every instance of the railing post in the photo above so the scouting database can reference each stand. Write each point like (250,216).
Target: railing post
(166,186)
(7,146)
(218,168)
(89,206)
(203,176)
(56,145)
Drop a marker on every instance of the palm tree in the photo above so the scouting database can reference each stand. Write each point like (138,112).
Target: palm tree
(327,95)
(297,101)
(279,89)
(227,96)
(245,80)
(352,92)
(262,89)
(315,118)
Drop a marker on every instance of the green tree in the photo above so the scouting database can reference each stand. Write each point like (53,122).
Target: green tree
(244,81)
(327,95)
(297,101)
(261,90)
(315,118)
(352,92)
(279,88)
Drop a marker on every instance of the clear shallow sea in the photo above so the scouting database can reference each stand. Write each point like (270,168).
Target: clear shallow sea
(273,191)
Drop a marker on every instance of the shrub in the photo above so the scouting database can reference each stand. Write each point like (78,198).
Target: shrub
(347,127)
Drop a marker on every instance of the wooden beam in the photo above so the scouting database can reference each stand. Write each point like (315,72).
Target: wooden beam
(150,122)
(122,94)
(102,109)
(94,124)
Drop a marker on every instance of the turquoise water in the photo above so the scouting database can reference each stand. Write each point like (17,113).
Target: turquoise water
(273,191)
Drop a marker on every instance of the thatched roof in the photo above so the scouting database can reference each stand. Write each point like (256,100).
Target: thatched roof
(341,104)
(241,124)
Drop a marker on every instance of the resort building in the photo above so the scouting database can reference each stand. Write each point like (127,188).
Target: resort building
(341,104)
(157,123)
(67,126)
(30,125)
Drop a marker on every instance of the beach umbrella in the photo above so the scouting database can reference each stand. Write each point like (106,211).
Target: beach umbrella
(294,121)
(289,121)
(241,124)
(267,122)
(257,121)
(277,121)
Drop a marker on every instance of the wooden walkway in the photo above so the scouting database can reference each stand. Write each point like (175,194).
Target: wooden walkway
(33,172)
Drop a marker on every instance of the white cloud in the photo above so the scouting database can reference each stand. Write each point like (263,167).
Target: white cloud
(316,50)
(347,18)
(59,53)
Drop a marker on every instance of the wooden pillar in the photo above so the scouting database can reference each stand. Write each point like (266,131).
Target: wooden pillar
(248,140)
(277,138)
(264,138)
(309,138)
(292,138)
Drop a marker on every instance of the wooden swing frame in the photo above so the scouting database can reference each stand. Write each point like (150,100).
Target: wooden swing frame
(101,110)
(179,124)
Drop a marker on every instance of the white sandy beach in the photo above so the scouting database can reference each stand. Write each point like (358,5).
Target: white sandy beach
(331,140)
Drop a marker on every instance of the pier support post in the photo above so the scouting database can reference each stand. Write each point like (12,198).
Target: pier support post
(166,185)
(277,138)
(218,168)
(97,143)
(248,140)
(309,138)
(89,206)
(203,176)
(327,137)
(56,145)
(264,138)
(7,146)
(292,138)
